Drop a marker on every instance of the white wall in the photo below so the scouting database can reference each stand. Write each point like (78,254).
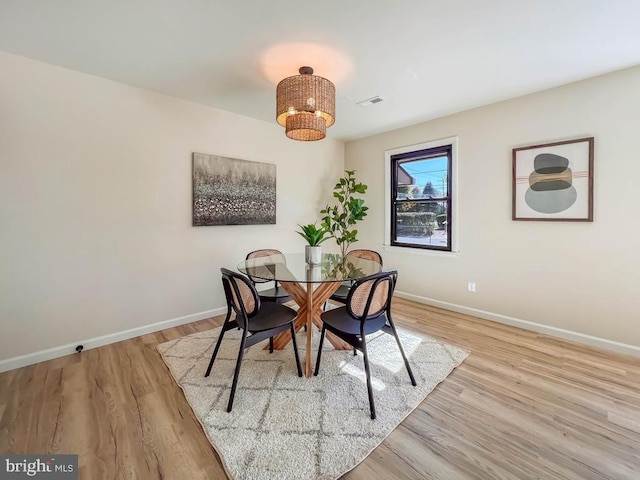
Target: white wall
(581,277)
(95,204)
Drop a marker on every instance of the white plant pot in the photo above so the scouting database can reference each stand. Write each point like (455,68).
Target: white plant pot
(314,273)
(313,255)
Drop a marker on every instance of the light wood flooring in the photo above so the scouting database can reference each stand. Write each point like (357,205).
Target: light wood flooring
(521,406)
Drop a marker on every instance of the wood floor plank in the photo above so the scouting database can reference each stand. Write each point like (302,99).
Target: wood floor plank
(522,406)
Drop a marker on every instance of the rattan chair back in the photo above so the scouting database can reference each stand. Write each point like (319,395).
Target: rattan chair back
(241,295)
(366,254)
(266,252)
(370,297)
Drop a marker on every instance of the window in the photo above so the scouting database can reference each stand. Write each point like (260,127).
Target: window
(421,196)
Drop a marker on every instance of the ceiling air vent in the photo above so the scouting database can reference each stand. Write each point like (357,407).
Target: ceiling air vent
(370,101)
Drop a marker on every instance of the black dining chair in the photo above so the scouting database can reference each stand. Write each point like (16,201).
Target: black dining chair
(368,310)
(276,293)
(258,321)
(340,295)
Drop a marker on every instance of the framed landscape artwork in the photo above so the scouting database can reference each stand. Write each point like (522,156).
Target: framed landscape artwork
(554,182)
(227,191)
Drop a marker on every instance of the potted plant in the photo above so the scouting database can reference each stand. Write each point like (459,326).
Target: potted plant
(339,220)
(314,236)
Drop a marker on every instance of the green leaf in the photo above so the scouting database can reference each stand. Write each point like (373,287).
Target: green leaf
(312,234)
(337,219)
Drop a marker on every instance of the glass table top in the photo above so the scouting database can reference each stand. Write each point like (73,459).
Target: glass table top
(291,267)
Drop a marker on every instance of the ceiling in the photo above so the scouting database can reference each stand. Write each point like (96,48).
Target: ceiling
(426,58)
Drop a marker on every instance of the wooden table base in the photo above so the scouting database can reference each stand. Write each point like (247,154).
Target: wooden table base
(310,301)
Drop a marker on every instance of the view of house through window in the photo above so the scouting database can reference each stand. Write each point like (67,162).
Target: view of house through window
(421,198)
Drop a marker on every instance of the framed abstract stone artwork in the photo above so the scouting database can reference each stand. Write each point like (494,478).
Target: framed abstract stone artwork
(554,181)
(228,191)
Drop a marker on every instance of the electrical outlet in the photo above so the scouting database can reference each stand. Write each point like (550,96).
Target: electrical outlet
(471,287)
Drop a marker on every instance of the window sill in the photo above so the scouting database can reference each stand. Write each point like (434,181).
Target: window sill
(420,251)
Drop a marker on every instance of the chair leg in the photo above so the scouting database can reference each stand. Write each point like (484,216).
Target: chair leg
(295,349)
(368,372)
(404,357)
(215,353)
(315,372)
(237,372)
(270,344)
(215,350)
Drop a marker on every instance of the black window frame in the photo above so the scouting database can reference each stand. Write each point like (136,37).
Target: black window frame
(422,154)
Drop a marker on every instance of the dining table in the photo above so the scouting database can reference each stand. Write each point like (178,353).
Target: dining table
(310,286)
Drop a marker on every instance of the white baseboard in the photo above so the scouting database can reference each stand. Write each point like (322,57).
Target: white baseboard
(36,357)
(527,325)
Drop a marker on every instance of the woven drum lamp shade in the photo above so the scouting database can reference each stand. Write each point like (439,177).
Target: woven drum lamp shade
(306,105)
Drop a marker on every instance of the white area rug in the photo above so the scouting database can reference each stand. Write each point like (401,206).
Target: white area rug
(285,427)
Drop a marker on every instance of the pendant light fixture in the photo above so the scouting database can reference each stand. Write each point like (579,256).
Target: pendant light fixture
(305,105)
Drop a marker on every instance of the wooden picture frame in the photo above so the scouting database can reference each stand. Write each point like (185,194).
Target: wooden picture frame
(554,181)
